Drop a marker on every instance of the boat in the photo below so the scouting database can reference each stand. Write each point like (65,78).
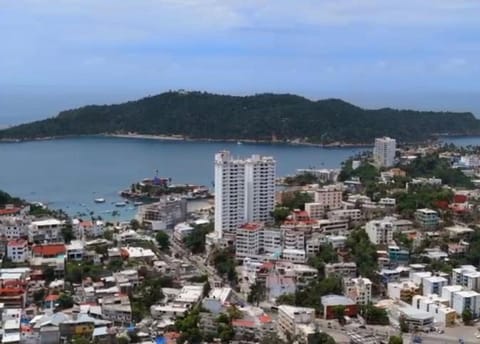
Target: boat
(137,203)
(99,200)
(120,204)
(239,142)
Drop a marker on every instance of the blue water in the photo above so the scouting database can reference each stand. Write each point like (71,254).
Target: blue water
(70,173)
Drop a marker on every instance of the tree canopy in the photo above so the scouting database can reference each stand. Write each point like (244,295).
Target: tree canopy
(259,117)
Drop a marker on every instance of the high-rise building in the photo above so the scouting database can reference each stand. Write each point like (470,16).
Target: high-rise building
(244,191)
(384,151)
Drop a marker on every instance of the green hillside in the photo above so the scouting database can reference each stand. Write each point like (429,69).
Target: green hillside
(258,117)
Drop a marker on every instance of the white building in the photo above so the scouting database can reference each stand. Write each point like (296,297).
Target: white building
(466,299)
(344,269)
(294,255)
(17,250)
(75,250)
(380,232)
(358,289)
(427,218)
(253,239)
(244,191)
(466,276)
(181,231)
(14,227)
(436,306)
(315,210)
(354,215)
(49,230)
(384,151)
(290,317)
(433,285)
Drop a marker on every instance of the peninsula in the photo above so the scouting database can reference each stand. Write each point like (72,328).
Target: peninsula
(262,117)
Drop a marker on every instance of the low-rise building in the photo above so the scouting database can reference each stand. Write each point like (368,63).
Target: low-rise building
(75,250)
(289,317)
(433,285)
(353,215)
(358,289)
(49,230)
(466,299)
(17,250)
(427,218)
(467,276)
(380,232)
(330,302)
(437,307)
(345,269)
(403,291)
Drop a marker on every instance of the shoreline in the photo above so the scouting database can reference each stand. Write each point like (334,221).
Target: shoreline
(438,137)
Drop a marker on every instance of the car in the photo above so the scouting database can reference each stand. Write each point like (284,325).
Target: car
(440,331)
(362,327)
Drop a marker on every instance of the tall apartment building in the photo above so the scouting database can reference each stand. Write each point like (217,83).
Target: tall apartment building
(427,218)
(467,276)
(290,317)
(244,191)
(384,151)
(329,197)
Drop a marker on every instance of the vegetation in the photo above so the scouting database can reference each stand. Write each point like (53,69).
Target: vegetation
(433,166)
(325,255)
(258,117)
(320,338)
(65,301)
(467,316)
(421,196)
(224,262)
(67,233)
(364,253)
(163,240)
(395,340)
(257,293)
(280,214)
(374,315)
(296,200)
(311,295)
(195,241)
(147,295)
(5,198)
(366,172)
(301,179)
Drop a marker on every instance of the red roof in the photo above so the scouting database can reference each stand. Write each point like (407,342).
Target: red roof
(243,323)
(459,199)
(51,297)
(17,243)
(48,250)
(265,318)
(9,211)
(251,226)
(86,224)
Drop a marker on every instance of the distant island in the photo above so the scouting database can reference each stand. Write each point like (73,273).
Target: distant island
(261,117)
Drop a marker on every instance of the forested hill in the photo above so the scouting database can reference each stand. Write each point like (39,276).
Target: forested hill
(260,117)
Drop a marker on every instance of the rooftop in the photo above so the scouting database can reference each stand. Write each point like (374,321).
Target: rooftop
(334,300)
(47,222)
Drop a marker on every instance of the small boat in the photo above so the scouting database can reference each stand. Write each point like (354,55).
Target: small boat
(239,142)
(120,204)
(99,200)
(137,203)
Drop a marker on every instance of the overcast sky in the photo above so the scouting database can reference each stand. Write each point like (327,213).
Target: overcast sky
(422,54)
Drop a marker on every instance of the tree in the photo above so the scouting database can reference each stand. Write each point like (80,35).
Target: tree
(257,293)
(134,224)
(224,263)
(374,315)
(296,200)
(320,338)
(279,214)
(163,240)
(272,338)
(77,339)
(339,312)
(404,328)
(38,295)
(395,340)
(195,241)
(67,233)
(48,274)
(65,301)
(467,316)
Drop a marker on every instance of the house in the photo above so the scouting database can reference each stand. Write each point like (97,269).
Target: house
(436,306)
(75,250)
(49,230)
(358,289)
(17,250)
(341,269)
(427,218)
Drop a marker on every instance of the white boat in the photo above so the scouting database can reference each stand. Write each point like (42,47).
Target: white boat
(120,204)
(239,142)
(99,200)
(137,203)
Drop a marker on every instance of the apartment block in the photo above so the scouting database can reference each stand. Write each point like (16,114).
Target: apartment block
(427,218)
(433,285)
(290,317)
(380,232)
(467,276)
(244,191)
(341,269)
(436,306)
(329,197)
(384,151)
(358,289)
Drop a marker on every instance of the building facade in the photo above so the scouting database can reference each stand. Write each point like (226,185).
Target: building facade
(384,151)
(244,191)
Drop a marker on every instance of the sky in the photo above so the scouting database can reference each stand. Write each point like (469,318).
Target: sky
(420,54)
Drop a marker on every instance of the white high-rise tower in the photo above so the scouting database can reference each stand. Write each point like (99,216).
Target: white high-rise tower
(384,151)
(244,191)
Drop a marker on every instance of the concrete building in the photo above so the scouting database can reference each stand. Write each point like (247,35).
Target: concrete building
(358,289)
(17,250)
(49,230)
(433,285)
(244,191)
(315,211)
(427,218)
(164,214)
(330,302)
(353,215)
(329,197)
(437,307)
(384,151)
(253,240)
(403,291)
(466,299)
(380,232)
(341,269)
(467,276)
(290,317)
(14,227)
